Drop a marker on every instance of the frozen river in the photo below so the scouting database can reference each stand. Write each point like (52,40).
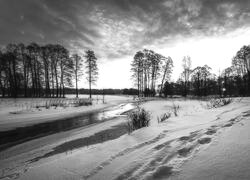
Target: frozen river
(23,134)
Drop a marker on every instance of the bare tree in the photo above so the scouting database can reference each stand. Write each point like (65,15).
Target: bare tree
(13,68)
(77,66)
(65,69)
(227,76)
(45,54)
(146,68)
(243,58)
(186,64)
(137,70)
(92,69)
(167,70)
(200,77)
(3,73)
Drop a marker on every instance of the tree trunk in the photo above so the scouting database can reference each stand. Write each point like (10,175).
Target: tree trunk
(52,80)
(163,79)
(76,84)
(62,82)
(248,74)
(25,79)
(57,86)
(90,93)
(138,79)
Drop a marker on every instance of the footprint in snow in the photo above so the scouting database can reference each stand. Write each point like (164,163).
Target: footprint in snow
(184,138)
(163,172)
(205,140)
(189,138)
(228,125)
(211,131)
(184,151)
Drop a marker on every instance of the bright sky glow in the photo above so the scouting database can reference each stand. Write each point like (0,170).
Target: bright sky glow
(216,52)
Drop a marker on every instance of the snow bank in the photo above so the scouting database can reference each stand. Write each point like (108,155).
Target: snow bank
(156,152)
(227,157)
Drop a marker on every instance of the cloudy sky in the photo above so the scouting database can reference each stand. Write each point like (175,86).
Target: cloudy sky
(210,31)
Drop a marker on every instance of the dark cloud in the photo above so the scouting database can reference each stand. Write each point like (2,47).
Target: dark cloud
(115,28)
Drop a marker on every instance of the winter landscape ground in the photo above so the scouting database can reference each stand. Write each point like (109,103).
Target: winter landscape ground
(124,89)
(199,143)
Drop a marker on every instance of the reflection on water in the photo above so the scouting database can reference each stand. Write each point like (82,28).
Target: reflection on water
(22,134)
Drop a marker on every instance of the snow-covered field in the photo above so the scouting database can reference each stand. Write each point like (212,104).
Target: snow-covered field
(198,143)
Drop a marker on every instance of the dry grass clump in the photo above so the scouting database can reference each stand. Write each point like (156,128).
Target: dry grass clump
(138,119)
(25,105)
(164,117)
(175,109)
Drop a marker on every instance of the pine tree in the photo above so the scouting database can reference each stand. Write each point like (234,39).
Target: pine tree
(92,70)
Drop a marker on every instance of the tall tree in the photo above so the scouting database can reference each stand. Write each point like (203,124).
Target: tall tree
(186,64)
(36,68)
(3,74)
(200,77)
(167,70)
(243,56)
(227,75)
(24,59)
(137,70)
(45,53)
(13,68)
(154,61)
(92,69)
(77,66)
(65,68)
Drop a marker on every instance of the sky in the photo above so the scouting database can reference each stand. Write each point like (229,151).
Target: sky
(209,31)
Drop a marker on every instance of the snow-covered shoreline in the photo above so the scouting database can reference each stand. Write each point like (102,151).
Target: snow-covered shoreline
(160,151)
(9,121)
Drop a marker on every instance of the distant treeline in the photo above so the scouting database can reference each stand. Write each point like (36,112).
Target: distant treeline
(130,91)
(72,91)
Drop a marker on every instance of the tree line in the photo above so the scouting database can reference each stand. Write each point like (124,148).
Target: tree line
(125,91)
(43,71)
(149,67)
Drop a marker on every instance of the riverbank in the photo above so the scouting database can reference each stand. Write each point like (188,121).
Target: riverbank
(10,120)
(160,151)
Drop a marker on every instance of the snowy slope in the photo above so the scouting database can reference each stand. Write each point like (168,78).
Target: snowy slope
(157,152)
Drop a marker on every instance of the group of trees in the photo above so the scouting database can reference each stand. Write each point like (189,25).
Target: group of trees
(148,67)
(198,81)
(239,73)
(42,71)
(46,71)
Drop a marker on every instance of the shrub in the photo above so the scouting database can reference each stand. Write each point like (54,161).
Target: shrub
(138,119)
